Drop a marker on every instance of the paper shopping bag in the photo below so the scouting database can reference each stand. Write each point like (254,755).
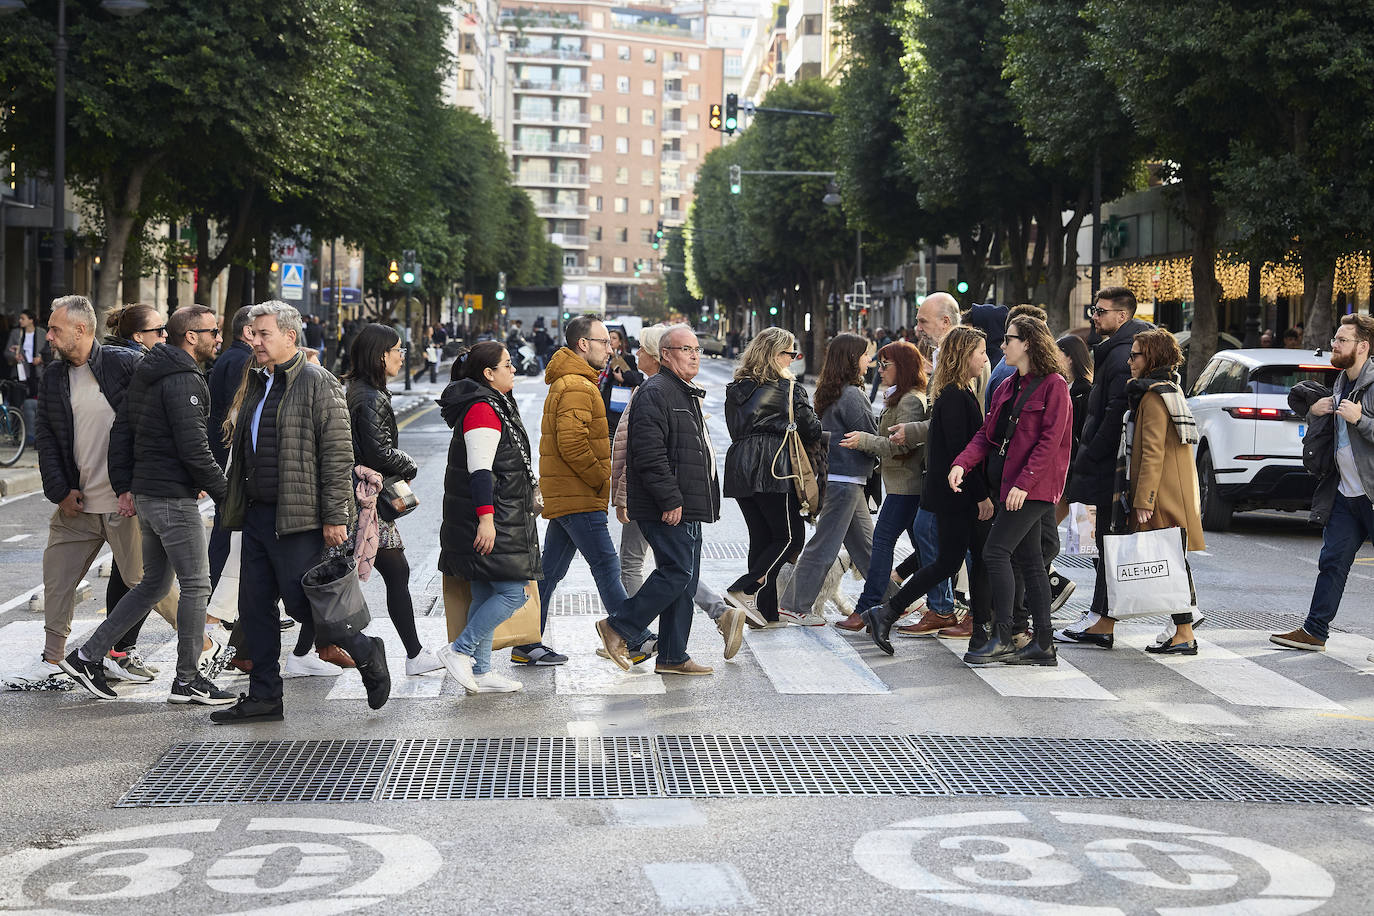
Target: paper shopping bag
(1081,536)
(1147,573)
(520,629)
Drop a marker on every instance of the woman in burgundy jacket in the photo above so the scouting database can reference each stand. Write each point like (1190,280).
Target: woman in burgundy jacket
(1025,440)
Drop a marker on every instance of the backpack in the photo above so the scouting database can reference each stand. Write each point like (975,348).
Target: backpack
(1319,441)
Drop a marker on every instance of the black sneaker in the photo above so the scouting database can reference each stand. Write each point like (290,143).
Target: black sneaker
(375,674)
(1061,587)
(248,709)
(90,675)
(200,691)
(540,655)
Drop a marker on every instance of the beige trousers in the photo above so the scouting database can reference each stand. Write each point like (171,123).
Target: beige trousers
(73,544)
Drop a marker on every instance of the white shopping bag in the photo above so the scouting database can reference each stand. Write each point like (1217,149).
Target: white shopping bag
(224,603)
(1146,573)
(1081,536)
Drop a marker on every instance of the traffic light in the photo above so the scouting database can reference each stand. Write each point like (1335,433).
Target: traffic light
(736,179)
(658,235)
(715,120)
(408,266)
(501,286)
(962,287)
(731,113)
(393,273)
(772,309)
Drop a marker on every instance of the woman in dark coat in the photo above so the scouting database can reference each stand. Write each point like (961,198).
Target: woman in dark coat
(618,378)
(488,536)
(757,467)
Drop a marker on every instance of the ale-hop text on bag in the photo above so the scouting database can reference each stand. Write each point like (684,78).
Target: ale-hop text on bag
(1158,569)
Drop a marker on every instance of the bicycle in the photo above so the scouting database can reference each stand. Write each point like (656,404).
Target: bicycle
(12,432)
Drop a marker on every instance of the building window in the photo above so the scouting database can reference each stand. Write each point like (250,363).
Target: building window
(622,235)
(693,122)
(623,52)
(693,61)
(598,112)
(646,207)
(618,265)
(594,143)
(622,205)
(648,117)
(595,202)
(596,232)
(646,147)
(693,91)
(598,82)
(811,25)
(649,88)
(594,262)
(647,177)
(622,114)
(650,55)
(734,65)
(646,236)
(598,50)
(622,145)
(693,150)
(622,175)
(594,174)
(622,85)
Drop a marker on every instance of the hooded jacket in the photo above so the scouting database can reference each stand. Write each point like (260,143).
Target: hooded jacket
(1301,399)
(669,464)
(756,415)
(1094,468)
(574,439)
(514,554)
(159,445)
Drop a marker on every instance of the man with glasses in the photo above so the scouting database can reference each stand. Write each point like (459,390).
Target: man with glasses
(160,461)
(1094,470)
(575,476)
(1342,498)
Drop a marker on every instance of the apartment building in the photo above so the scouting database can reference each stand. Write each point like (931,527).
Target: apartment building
(605,119)
(477,59)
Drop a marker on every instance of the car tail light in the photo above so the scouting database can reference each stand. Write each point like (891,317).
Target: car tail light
(1259,413)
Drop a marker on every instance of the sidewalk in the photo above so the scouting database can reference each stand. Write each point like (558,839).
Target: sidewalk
(22,477)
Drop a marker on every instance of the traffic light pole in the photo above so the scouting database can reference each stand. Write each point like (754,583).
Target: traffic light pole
(409,287)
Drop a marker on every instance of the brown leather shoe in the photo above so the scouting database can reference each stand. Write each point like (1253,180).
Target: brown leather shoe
(1299,639)
(929,624)
(241,664)
(687,667)
(335,656)
(961,630)
(854,623)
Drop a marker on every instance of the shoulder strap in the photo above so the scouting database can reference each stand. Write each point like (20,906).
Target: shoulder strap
(790,431)
(1026,391)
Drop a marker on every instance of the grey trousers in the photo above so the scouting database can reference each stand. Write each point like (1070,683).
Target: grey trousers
(844,520)
(174,544)
(633,548)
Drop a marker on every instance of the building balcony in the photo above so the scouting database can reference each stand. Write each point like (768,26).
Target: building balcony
(550,149)
(674,69)
(569,54)
(554,210)
(580,118)
(673,216)
(671,186)
(565,240)
(674,95)
(674,127)
(576,271)
(551,179)
(523,21)
(550,87)
(674,155)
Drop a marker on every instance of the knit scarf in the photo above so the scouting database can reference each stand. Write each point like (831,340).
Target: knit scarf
(1164,384)
(367,536)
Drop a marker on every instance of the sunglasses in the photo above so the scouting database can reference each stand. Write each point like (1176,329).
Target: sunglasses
(795,354)
(1012,337)
(160,332)
(1135,354)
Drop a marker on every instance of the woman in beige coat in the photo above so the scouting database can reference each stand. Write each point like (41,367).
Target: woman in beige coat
(1160,489)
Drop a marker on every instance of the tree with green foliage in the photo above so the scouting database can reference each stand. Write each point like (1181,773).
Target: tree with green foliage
(677,296)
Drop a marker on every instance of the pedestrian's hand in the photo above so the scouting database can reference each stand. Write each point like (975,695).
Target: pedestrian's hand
(618,376)
(672,516)
(898,436)
(956,478)
(985,509)
(72,504)
(1016,498)
(1350,411)
(126,505)
(622,515)
(1143,516)
(1323,406)
(334,535)
(851,439)
(486,535)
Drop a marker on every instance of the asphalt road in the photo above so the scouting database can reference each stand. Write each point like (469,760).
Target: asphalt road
(68,759)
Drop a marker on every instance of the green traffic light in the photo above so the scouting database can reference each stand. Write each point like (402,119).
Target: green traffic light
(731,123)
(408,276)
(734,189)
(963,286)
(500,295)
(772,309)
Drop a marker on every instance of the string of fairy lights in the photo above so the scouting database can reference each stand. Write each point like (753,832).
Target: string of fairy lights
(1171,278)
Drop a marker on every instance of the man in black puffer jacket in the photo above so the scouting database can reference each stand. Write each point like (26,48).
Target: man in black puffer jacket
(671,489)
(160,462)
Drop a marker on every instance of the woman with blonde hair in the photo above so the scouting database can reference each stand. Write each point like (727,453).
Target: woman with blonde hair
(760,404)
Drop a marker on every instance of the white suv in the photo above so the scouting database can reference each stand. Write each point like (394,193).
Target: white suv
(1250,453)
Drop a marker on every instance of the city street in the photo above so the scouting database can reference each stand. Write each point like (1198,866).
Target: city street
(810,774)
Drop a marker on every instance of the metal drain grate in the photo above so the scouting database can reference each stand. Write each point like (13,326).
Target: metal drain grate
(723,550)
(576,604)
(1062,768)
(208,773)
(716,765)
(452,768)
(1292,775)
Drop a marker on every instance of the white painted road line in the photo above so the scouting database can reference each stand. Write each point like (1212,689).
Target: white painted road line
(433,633)
(21,648)
(1230,675)
(698,885)
(809,660)
(586,673)
(1062,682)
(1351,650)
(17,537)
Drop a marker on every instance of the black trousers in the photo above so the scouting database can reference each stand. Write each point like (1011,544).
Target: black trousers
(960,535)
(776,536)
(272,570)
(1015,542)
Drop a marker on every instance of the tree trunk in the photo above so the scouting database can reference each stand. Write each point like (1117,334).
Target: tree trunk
(262,264)
(1204,215)
(1018,239)
(120,199)
(1061,257)
(132,268)
(235,289)
(973,260)
(1318,280)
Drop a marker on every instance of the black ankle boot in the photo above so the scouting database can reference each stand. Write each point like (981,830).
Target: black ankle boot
(880,619)
(998,648)
(1032,654)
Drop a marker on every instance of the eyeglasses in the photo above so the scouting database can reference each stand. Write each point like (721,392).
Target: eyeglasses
(1098,310)
(215,331)
(604,341)
(160,332)
(692,350)
(1012,337)
(792,353)
(1135,354)
(1344,340)
(884,363)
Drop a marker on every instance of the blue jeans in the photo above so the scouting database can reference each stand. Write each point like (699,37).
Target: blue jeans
(492,604)
(898,514)
(1350,525)
(585,533)
(667,593)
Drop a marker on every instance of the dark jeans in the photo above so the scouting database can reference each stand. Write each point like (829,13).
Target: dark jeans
(1350,525)
(1015,541)
(897,515)
(585,533)
(961,535)
(272,570)
(668,592)
(219,551)
(776,536)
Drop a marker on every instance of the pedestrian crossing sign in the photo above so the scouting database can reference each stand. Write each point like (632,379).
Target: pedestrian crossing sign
(293,281)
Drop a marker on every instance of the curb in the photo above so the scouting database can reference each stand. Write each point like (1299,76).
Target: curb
(23,481)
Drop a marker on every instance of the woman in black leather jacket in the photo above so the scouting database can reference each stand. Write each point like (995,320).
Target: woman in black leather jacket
(757,467)
(375,357)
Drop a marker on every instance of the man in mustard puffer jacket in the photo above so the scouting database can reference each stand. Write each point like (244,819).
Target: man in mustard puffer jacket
(575,475)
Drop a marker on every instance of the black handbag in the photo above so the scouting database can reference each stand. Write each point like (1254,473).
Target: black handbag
(336,599)
(396,499)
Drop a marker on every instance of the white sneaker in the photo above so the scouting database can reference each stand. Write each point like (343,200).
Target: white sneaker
(913,613)
(746,603)
(458,665)
(423,663)
(491,682)
(309,666)
(213,659)
(809,619)
(114,672)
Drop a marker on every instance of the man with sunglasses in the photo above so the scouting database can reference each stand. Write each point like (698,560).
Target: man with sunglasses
(1094,470)
(160,461)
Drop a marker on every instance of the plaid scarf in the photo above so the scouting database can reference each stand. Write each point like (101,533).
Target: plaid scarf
(1167,387)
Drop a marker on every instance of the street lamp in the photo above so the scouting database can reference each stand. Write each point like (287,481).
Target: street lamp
(832,195)
(121,8)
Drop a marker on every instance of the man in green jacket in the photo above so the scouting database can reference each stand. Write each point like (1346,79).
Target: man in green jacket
(291,493)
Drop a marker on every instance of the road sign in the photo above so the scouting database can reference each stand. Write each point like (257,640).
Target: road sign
(473,302)
(293,281)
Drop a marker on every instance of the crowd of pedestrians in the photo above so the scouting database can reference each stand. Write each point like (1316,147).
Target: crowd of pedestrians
(985,428)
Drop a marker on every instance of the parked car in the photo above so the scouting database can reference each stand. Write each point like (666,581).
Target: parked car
(1250,453)
(713,347)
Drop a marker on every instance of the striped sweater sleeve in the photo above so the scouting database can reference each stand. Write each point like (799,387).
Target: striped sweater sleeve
(481,435)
